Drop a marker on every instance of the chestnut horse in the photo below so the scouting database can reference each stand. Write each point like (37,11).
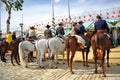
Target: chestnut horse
(101,41)
(4,46)
(14,51)
(72,46)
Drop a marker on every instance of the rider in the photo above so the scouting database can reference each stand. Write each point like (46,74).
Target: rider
(48,32)
(74,32)
(102,27)
(81,31)
(9,37)
(60,30)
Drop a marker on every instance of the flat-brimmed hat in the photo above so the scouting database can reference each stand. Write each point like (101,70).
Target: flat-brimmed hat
(60,24)
(48,26)
(80,21)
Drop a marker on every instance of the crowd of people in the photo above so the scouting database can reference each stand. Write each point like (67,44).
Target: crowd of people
(77,30)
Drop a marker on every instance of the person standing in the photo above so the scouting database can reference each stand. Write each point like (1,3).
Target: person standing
(9,37)
(48,32)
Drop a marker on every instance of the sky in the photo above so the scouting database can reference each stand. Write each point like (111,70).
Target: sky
(36,11)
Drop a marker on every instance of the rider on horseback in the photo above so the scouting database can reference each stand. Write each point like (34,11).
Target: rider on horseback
(102,27)
(60,30)
(48,32)
(81,31)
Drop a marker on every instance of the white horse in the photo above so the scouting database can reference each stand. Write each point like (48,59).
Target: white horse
(25,47)
(54,45)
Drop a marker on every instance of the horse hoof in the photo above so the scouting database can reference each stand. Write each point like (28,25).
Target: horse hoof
(87,65)
(57,63)
(95,72)
(42,67)
(108,65)
(55,67)
(26,66)
(103,75)
(51,67)
(63,62)
(71,72)
(13,65)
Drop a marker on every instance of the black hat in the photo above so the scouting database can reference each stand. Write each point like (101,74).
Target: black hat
(99,17)
(80,21)
(48,26)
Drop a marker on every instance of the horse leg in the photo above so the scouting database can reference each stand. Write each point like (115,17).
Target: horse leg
(16,58)
(95,59)
(102,63)
(87,59)
(63,58)
(108,51)
(41,57)
(12,54)
(83,56)
(3,56)
(68,54)
(71,61)
(56,58)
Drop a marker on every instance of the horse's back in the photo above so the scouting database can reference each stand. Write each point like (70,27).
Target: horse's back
(56,44)
(26,45)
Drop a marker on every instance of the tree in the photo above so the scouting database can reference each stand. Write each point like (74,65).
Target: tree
(16,5)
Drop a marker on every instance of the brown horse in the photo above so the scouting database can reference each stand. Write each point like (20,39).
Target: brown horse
(101,41)
(14,51)
(4,46)
(72,46)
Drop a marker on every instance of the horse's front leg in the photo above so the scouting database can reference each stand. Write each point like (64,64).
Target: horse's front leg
(108,51)
(102,63)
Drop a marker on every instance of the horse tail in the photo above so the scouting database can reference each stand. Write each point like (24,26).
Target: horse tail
(21,54)
(67,43)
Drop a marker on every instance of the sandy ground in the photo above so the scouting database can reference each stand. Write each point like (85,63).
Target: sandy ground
(9,72)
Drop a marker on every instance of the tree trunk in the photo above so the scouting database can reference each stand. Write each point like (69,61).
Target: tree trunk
(8,20)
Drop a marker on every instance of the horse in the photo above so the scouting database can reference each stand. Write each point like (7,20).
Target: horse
(101,41)
(72,46)
(14,51)
(54,45)
(25,47)
(4,46)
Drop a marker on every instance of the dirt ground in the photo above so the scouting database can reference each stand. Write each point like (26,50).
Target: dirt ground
(9,72)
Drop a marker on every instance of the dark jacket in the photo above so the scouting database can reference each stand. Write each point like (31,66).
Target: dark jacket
(13,36)
(60,31)
(80,30)
(101,25)
(48,33)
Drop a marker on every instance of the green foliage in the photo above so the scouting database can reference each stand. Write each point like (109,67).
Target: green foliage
(114,23)
(13,4)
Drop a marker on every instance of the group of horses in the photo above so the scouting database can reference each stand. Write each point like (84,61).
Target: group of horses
(21,49)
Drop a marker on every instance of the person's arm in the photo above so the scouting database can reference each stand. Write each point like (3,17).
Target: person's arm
(63,31)
(106,27)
